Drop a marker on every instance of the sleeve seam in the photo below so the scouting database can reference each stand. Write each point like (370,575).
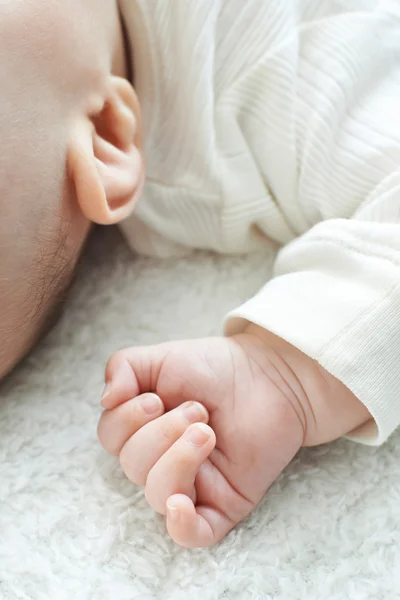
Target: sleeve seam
(355,249)
(388,293)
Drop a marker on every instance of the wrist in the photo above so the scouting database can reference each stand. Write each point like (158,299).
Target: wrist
(326,408)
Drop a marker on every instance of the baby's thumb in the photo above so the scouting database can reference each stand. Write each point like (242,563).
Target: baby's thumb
(132,372)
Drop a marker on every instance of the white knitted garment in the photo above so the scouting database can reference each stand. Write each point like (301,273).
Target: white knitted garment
(280,120)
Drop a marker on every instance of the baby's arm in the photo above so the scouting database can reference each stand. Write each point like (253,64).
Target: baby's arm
(328,408)
(336,290)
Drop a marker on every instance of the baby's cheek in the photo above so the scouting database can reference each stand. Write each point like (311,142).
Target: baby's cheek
(54,45)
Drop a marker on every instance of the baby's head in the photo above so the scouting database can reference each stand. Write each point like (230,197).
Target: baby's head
(69,152)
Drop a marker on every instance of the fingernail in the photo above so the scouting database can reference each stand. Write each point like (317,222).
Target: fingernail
(106,392)
(198,435)
(194,411)
(173,513)
(151,404)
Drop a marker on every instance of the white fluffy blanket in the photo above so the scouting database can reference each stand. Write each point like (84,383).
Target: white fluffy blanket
(72,527)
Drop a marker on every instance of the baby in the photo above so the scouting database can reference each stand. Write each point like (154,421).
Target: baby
(260,122)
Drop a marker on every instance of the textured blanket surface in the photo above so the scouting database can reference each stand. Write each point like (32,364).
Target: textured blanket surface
(73,528)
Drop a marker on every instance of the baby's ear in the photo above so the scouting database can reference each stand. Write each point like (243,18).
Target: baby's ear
(105,161)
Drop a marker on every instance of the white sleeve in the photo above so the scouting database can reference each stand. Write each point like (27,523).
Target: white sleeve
(336,289)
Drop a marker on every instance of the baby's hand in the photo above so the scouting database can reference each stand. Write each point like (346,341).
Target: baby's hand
(207,425)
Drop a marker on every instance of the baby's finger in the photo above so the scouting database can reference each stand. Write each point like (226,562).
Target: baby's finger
(121,383)
(195,527)
(141,452)
(176,470)
(132,372)
(118,425)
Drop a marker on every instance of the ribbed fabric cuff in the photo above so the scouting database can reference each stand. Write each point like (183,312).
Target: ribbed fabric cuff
(350,326)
